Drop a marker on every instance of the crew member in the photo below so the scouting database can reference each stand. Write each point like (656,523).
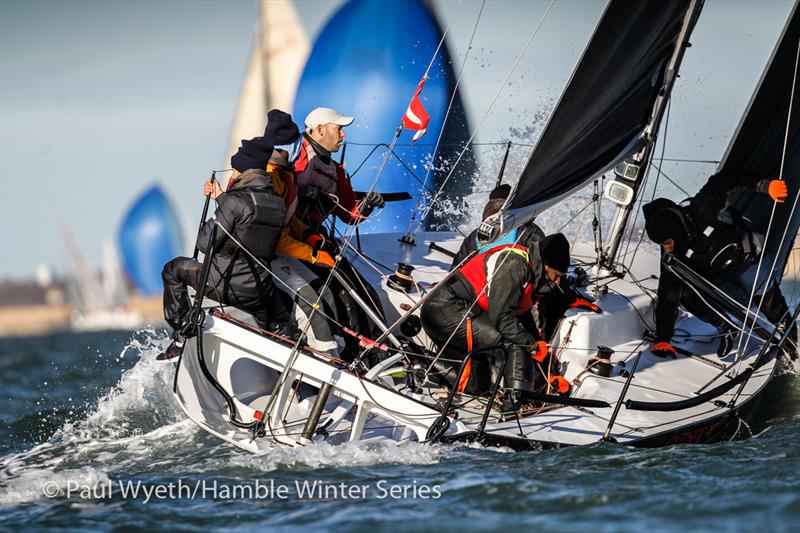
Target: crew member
(311,308)
(550,307)
(471,243)
(325,190)
(250,212)
(719,246)
(324,184)
(492,290)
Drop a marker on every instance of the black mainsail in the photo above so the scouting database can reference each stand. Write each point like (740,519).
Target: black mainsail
(758,146)
(607,103)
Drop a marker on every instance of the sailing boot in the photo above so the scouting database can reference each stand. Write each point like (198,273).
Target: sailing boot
(173,350)
(519,369)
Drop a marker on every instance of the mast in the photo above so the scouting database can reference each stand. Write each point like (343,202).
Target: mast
(629,174)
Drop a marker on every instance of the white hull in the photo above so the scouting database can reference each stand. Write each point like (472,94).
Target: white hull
(247,364)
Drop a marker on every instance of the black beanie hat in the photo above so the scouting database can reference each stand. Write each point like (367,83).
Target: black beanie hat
(501,191)
(555,251)
(280,128)
(254,153)
(663,220)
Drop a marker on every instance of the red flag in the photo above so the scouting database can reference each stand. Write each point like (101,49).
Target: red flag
(416,118)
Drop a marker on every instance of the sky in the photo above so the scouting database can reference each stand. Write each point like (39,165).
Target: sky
(100,99)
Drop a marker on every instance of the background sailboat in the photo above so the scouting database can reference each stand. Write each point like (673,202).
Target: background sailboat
(279,52)
(98,301)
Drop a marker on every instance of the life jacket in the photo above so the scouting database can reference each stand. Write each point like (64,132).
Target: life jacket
(314,172)
(317,177)
(721,245)
(260,235)
(480,268)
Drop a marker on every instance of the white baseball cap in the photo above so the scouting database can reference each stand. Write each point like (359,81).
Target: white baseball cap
(326,115)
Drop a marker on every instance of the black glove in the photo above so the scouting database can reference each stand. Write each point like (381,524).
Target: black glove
(370,202)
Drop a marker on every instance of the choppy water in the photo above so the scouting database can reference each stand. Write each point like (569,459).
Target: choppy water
(83,413)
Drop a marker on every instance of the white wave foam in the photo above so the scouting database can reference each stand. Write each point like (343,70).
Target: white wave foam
(343,455)
(126,421)
(39,484)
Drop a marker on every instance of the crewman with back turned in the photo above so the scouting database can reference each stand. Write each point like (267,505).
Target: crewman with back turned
(719,245)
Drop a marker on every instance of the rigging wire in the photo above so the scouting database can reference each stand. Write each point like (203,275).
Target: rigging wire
(485,114)
(347,237)
(390,151)
(446,116)
(771,217)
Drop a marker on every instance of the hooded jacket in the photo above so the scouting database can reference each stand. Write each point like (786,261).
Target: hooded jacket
(711,246)
(253,213)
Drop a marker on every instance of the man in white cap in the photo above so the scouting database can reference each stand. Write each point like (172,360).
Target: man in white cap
(325,189)
(319,176)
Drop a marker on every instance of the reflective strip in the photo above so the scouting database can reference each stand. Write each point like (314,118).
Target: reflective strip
(462,383)
(491,264)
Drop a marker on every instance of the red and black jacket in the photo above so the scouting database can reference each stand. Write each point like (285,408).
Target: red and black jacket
(504,282)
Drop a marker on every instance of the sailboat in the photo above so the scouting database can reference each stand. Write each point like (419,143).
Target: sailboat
(98,304)
(253,388)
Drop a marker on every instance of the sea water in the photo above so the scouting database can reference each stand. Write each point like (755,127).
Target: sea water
(92,438)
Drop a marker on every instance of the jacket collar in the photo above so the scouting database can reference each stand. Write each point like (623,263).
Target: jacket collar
(254,177)
(318,149)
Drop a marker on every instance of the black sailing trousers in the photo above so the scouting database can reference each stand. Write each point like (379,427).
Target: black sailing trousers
(183,272)
(442,315)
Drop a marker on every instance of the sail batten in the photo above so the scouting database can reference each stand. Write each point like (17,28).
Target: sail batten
(606,105)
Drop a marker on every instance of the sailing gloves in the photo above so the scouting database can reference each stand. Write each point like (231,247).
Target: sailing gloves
(663,349)
(368,204)
(320,242)
(322,258)
(776,189)
(539,351)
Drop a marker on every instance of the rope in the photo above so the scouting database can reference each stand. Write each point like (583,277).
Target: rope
(771,217)
(483,118)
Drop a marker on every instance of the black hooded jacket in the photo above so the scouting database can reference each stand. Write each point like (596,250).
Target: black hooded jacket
(253,214)
(716,241)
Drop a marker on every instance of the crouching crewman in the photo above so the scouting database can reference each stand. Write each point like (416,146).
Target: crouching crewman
(493,289)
